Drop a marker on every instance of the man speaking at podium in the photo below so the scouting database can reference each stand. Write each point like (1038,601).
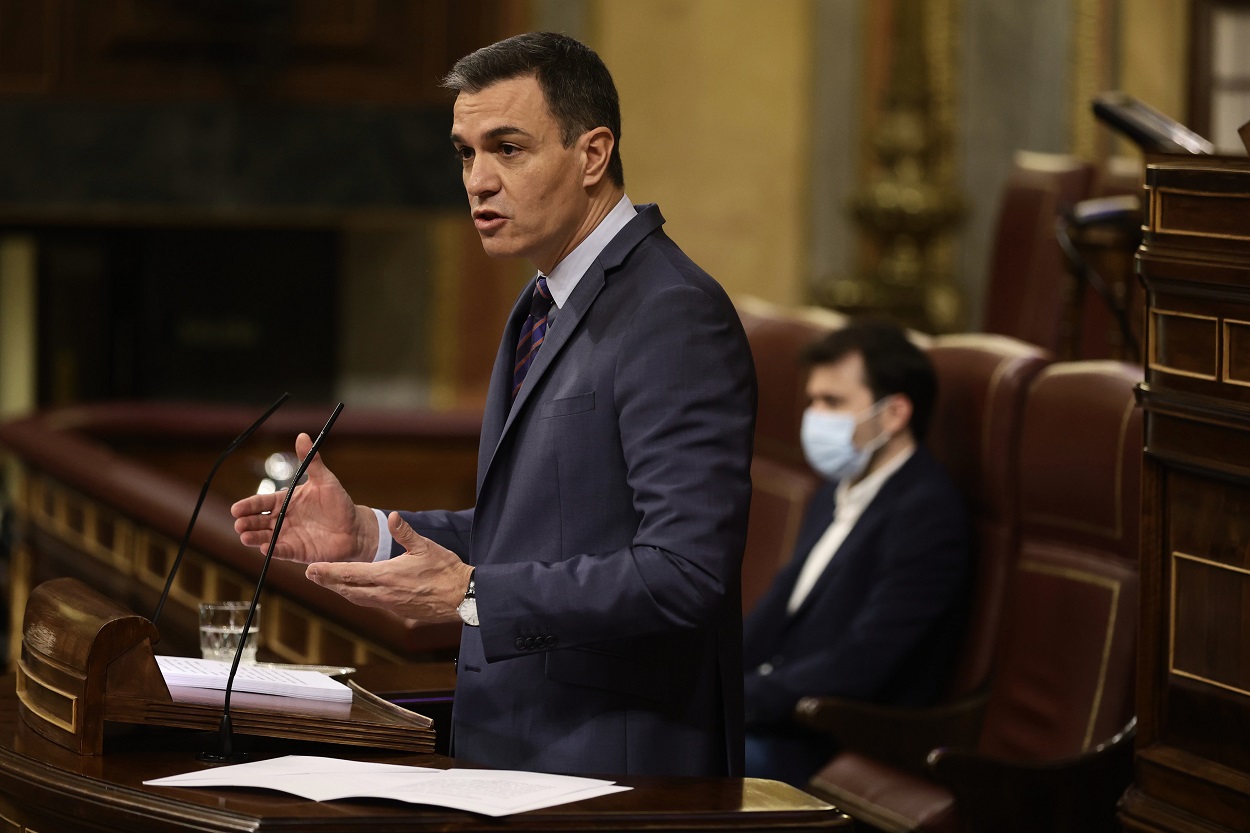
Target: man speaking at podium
(598,573)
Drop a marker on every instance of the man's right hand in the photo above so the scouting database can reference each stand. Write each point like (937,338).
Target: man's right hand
(322,523)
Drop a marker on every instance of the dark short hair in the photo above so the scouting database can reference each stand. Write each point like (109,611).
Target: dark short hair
(892,364)
(576,85)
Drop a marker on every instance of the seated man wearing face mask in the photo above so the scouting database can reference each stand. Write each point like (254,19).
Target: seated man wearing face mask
(873,603)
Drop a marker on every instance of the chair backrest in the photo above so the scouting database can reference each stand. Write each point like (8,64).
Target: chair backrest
(1065,663)
(1027,281)
(974,432)
(779,498)
(778,335)
(782,482)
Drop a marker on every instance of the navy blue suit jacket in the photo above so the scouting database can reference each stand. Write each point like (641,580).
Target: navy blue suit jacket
(609,527)
(884,620)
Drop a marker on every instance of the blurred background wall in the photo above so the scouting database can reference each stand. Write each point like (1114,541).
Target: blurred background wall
(224,199)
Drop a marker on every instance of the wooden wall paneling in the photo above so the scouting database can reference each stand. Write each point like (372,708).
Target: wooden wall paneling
(362,49)
(376,51)
(30,46)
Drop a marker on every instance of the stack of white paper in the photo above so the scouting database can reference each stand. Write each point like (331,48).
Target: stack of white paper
(487,791)
(207,673)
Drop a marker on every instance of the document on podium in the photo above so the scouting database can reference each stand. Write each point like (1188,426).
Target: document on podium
(485,791)
(206,673)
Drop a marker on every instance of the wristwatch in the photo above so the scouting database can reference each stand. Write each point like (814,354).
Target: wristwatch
(468,607)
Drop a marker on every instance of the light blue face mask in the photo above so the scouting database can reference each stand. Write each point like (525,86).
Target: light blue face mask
(828,442)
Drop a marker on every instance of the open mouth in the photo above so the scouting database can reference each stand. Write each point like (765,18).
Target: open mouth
(486,220)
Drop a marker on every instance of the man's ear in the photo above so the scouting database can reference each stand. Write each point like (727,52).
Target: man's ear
(897,413)
(598,143)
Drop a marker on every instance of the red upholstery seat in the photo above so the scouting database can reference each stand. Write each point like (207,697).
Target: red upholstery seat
(1080,459)
(782,482)
(1051,753)
(982,381)
(779,497)
(778,335)
(974,432)
(1028,281)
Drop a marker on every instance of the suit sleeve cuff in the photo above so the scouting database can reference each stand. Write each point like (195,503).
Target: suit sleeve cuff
(384,538)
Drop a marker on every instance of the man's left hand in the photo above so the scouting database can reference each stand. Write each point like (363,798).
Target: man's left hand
(424,585)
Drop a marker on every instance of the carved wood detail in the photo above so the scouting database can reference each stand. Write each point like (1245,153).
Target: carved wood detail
(349,51)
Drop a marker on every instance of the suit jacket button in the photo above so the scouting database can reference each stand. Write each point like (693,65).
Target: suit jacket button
(520,643)
(551,641)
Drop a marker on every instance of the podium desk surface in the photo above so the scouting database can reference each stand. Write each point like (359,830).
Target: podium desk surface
(46,788)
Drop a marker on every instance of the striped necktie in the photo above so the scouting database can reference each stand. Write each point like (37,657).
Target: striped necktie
(532,333)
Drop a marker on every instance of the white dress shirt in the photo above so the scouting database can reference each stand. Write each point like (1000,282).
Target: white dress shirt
(568,272)
(850,501)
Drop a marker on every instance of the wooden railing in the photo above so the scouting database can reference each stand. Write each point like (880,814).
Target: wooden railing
(103,493)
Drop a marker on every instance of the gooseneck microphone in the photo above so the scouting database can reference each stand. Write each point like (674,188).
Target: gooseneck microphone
(239,440)
(225,731)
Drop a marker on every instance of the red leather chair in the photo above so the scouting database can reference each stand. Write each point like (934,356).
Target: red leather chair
(1028,283)
(782,482)
(1055,749)
(982,381)
(778,335)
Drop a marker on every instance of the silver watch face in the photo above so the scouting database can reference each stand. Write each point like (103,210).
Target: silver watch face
(468,611)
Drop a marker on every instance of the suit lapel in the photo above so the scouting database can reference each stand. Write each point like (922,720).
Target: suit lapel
(495,414)
(851,547)
(567,321)
(856,545)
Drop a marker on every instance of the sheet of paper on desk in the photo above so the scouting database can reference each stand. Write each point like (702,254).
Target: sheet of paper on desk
(287,766)
(207,673)
(486,791)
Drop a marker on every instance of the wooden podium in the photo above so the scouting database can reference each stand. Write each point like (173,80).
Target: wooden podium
(86,660)
(1193,734)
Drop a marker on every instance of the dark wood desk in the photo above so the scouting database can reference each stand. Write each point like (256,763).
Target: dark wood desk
(48,789)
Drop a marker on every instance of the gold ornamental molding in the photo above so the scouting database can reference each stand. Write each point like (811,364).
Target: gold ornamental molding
(909,204)
(70,722)
(1161,198)
(1160,363)
(1238,331)
(944,48)
(1226,341)
(295,634)
(1178,558)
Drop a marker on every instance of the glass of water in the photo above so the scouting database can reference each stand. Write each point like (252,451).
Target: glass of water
(221,627)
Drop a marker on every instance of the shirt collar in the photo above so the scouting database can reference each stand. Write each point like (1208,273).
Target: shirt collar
(861,494)
(564,277)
